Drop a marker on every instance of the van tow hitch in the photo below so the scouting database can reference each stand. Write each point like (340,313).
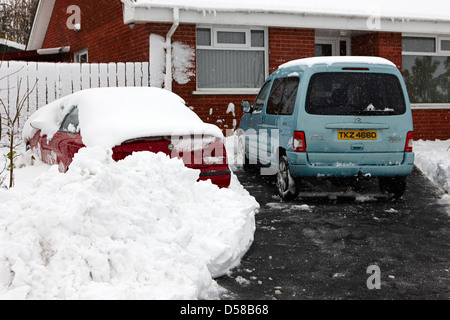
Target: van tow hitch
(363,176)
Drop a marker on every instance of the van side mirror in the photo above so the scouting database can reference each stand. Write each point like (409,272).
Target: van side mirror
(246,106)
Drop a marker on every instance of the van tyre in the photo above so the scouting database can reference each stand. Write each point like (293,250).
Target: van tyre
(394,187)
(286,185)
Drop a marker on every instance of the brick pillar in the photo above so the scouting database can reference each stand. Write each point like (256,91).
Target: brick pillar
(387,45)
(286,44)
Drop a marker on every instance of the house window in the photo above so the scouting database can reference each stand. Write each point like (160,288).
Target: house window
(426,69)
(419,44)
(445,45)
(81,56)
(231,59)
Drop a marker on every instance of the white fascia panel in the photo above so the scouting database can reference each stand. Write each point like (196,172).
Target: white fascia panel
(289,20)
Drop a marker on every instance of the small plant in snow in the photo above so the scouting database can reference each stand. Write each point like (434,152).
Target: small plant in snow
(10,123)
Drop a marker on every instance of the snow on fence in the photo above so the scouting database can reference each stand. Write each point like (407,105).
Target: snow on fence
(48,82)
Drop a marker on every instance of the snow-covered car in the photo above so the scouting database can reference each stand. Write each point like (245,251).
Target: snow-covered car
(127,120)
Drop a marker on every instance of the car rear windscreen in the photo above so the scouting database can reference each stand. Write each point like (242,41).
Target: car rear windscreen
(353,93)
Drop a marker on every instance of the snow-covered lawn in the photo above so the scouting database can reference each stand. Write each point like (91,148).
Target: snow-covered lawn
(140,228)
(433,159)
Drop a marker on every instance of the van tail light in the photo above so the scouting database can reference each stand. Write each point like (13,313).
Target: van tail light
(409,142)
(299,141)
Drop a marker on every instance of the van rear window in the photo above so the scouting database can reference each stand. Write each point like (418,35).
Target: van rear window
(353,93)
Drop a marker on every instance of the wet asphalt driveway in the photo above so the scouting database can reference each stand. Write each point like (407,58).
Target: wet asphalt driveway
(321,245)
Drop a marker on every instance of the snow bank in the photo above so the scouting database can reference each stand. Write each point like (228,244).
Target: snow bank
(433,159)
(140,228)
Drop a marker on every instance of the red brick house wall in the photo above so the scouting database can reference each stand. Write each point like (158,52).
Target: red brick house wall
(109,40)
(102,30)
(431,124)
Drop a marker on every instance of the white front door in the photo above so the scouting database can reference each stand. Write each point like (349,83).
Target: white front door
(332,46)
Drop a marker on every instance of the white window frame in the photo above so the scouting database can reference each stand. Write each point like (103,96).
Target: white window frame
(216,44)
(444,52)
(238,47)
(438,53)
(417,53)
(78,54)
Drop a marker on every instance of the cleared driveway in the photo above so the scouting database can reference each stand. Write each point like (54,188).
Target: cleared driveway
(321,245)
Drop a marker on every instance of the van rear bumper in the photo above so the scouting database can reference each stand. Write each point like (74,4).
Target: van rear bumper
(300,167)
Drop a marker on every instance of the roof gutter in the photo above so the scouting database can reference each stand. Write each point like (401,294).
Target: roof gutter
(49,51)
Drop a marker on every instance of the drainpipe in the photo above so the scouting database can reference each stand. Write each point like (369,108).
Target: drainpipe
(176,23)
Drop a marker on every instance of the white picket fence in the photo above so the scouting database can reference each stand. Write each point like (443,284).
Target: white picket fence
(48,82)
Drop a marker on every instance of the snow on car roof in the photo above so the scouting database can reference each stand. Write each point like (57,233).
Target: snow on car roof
(110,116)
(332,60)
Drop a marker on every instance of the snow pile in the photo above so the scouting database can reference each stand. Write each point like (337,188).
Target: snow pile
(140,228)
(433,159)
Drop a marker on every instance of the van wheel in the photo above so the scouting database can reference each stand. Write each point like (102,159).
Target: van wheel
(286,184)
(394,187)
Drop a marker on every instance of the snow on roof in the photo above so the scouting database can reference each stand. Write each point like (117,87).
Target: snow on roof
(332,60)
(402,9)
(110,116)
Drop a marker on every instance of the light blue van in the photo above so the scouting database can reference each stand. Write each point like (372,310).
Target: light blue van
(331,117)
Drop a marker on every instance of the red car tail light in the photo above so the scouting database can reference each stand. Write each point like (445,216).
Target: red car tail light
(409,142)
(299,141)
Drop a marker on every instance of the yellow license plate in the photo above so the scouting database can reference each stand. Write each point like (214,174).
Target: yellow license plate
(357,135)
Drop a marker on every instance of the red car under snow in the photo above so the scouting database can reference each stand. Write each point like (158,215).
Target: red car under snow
(127,120)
